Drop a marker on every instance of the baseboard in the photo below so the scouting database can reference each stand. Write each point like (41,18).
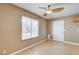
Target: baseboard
(26,48)
(71,43)
(67,42)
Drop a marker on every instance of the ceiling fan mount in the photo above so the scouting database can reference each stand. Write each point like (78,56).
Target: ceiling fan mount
(49,6)
(49,10)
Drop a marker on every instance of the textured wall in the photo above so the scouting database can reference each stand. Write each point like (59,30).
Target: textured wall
(11,28)
(71,33)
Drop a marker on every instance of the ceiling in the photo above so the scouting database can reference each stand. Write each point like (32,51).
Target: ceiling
(69,9)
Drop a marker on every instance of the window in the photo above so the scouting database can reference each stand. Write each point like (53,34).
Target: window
(30,28)
(35,28)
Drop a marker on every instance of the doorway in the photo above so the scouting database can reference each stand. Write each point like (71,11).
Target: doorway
(58,30)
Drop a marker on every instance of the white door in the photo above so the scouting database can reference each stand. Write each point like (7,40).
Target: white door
(58,30)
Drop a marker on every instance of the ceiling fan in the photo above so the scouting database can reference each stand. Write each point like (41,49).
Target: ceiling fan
(50,10)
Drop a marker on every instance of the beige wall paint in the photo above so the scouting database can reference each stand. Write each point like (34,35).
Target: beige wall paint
(10,28)
(72,29)
(50,28)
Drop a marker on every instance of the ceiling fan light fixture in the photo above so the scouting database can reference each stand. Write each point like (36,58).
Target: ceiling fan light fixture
(48,11)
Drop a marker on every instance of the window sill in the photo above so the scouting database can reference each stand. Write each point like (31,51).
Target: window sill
(29,38)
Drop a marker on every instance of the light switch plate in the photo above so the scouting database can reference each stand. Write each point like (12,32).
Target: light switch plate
(65,30)
(77,30)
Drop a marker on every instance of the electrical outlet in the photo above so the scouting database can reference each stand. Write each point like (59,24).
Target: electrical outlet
(4,51)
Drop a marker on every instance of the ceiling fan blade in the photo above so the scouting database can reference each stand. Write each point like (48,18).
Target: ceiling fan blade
(45,14)
(56,10)
(43,8)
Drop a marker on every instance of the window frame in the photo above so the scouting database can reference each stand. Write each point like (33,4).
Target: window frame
(31,28)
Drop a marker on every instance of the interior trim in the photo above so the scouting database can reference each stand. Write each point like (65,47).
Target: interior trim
(71,43)
(27,47)
(28,11)
(67,42)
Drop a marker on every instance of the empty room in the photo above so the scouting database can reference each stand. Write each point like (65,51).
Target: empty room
(39,28)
